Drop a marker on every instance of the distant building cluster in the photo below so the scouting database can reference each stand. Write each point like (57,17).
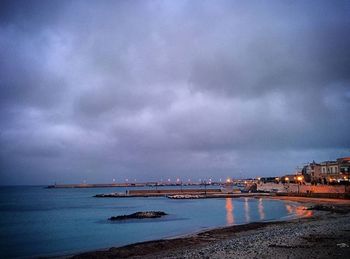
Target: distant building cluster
(328,171)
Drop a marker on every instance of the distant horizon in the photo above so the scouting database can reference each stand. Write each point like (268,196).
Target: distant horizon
(165,180)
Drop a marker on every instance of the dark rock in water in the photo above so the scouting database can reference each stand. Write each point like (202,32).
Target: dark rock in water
(140,215)
(336,209)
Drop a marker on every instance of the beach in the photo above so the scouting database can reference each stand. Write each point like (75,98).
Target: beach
(321,233)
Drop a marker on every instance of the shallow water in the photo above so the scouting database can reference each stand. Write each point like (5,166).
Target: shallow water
(35,221)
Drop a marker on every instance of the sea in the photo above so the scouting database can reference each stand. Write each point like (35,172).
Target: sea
(40,222)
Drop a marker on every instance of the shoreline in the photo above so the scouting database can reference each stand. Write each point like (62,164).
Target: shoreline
(213,240)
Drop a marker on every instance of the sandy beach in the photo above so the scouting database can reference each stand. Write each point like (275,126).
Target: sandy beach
(322,233)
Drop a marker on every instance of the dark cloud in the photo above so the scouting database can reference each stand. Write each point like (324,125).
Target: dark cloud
(156,89)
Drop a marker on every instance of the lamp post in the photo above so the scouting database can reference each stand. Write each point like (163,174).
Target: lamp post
(126,186)
(299,179)
(205,188)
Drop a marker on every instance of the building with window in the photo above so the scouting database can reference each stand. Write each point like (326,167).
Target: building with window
(313,172)
(344,167)
(327,171)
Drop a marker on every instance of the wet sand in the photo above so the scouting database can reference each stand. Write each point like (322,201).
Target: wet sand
(323,234)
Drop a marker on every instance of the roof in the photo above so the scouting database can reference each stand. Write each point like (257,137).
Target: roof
(344,158)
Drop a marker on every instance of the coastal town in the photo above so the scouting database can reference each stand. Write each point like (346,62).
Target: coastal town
(324,179)
(326,172)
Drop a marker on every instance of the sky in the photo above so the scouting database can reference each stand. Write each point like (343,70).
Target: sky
(149,90)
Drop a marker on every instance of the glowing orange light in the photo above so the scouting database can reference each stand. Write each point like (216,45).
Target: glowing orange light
(229,212)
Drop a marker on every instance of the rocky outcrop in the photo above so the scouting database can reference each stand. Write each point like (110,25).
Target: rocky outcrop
(140,215)
(185,196)
(331,208)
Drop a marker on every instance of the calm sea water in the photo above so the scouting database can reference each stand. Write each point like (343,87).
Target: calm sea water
(35,221)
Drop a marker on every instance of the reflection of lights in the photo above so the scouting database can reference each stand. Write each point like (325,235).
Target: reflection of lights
(302,211)
(229,212)
(289,208)
(261,209)
(299,211)
(246,210)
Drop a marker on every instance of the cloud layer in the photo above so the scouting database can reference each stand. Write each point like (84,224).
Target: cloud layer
(96,90)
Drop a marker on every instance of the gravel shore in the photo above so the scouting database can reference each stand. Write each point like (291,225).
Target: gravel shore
(325,234)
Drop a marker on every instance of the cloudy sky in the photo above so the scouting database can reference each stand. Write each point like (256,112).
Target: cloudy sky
(149,90)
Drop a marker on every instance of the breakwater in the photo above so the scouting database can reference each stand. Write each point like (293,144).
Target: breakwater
(182,194)
(159,193)
(96,185)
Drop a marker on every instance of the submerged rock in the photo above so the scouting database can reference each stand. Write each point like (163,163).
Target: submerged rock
(140,215)
(336,209)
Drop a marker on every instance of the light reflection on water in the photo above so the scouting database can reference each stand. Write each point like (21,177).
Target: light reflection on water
(230,220)
(246,210)
(261,209)
(256,210)
(289,208)
(299,211)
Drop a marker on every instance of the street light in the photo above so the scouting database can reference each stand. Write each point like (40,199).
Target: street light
(126,186)
(299,179)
